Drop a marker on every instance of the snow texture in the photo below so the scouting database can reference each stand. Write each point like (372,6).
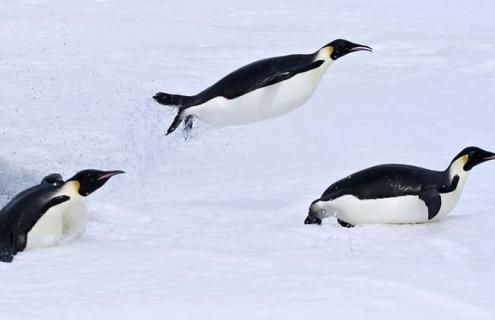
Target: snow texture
(212,228)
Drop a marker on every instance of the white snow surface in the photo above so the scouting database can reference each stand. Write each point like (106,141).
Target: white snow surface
(212,227)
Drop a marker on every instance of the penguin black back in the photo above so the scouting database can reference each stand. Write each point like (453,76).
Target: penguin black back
(250,77)
(388,180)
(393,180)
(259,74)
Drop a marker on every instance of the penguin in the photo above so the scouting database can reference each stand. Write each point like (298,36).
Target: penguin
(42,215)
(397,193)
(258,91)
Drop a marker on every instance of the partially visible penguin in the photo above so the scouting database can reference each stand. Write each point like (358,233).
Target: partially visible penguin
(48,213)
(260,90)
(396,193)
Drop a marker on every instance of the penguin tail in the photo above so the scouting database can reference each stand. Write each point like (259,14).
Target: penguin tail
(177,121)
(172,99)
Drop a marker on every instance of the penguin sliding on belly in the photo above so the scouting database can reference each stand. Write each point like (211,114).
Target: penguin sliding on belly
(395,193)
(260,90)
(48,213)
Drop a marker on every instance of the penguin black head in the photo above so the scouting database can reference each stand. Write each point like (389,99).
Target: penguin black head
(91,180)
(314,214)
(340,47)
(472,156)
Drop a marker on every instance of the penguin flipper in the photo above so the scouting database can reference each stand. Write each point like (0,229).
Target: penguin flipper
(51,203)
(433,202)
(281,76)
(452,187)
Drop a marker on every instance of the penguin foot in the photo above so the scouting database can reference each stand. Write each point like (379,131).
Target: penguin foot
(345,224)
(6,255)
(188,122)
(188,126)
(312,220)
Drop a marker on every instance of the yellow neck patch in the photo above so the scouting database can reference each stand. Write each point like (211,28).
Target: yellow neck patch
(329,50)
(76,185)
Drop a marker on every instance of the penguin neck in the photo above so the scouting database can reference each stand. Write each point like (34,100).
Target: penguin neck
(71,189)
(325,208)
(324,55)
(456,168)
(321,55)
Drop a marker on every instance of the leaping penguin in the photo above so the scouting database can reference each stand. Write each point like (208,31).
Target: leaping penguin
(260,90)
(396,193)
(45,214)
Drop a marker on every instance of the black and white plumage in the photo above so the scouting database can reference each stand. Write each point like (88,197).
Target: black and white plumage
(47,213)
(260,90)
(395,193)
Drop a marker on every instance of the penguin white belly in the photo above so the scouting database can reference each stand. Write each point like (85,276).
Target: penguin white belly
(48,230)
(404,209)
(261,104)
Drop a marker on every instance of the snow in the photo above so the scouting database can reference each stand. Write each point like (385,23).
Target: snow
(212,228)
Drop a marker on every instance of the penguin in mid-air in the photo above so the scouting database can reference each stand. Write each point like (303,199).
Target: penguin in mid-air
(260,90)
(48,213)
(396,193)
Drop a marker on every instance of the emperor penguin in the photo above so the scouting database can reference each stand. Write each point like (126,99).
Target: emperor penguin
(48,213)
(261,90)
(397,193)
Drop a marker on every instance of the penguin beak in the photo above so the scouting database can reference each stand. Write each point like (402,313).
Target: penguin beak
(108,174)
(490,157)
(360,47)
(312,219)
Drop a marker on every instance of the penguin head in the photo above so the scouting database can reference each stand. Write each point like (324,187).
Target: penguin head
(317,211)
(340,47)
(472,156)
(91,180)
(54,179)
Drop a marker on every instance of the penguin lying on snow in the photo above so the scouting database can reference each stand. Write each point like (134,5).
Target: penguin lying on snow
(45,214)
(395,193)
(260,90)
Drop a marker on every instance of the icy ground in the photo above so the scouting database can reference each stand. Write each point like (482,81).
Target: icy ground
(213,228)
